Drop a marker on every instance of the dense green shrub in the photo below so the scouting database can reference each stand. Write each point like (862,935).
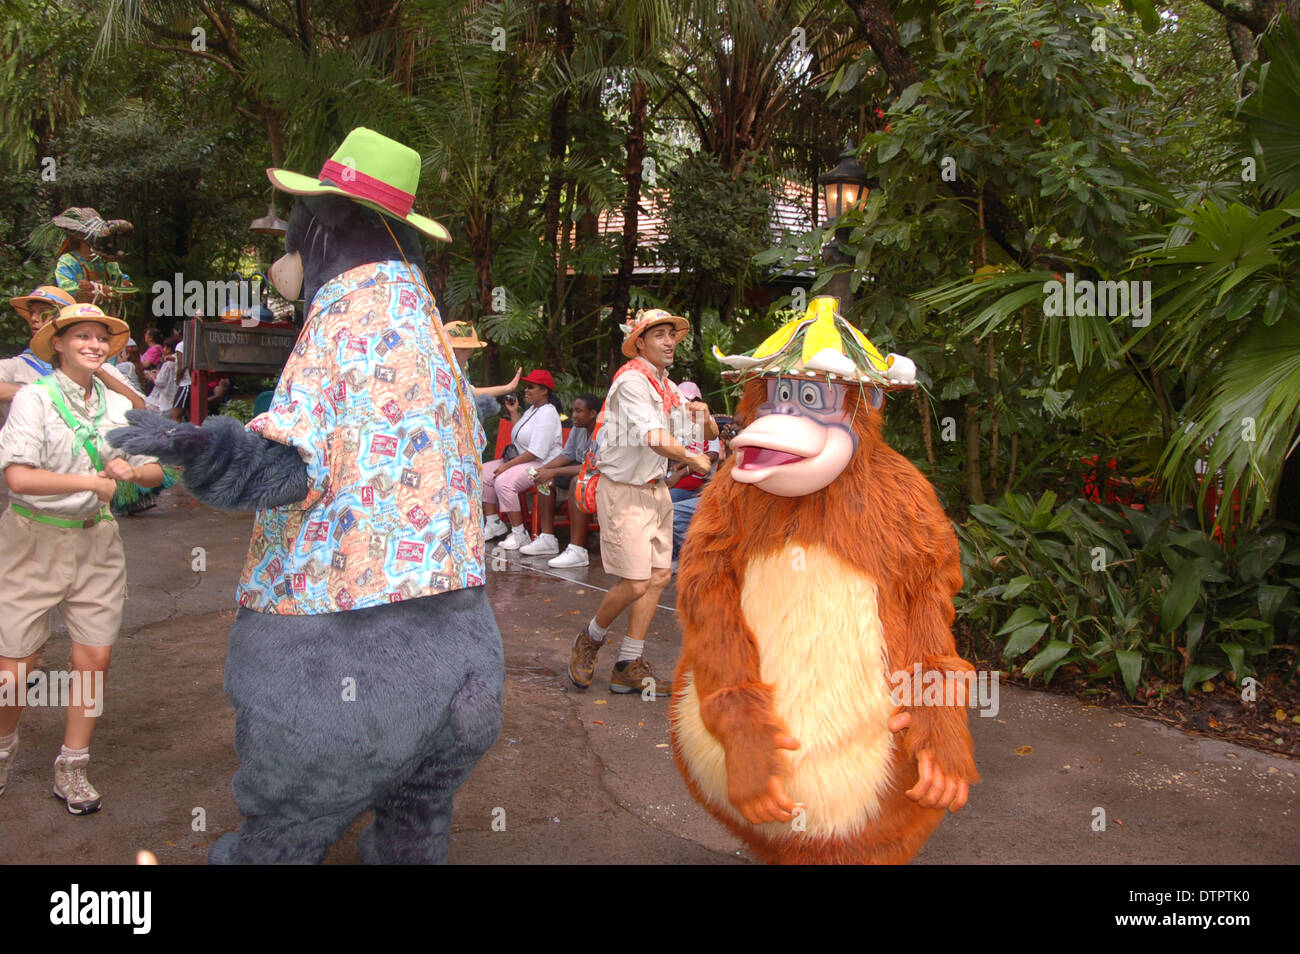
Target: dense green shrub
(1127,591)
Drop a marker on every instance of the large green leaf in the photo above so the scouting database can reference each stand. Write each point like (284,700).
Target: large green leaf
(1182,596)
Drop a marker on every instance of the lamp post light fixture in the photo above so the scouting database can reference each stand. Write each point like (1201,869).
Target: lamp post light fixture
(269,224)
(843,188)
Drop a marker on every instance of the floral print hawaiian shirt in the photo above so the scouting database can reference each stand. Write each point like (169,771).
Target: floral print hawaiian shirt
(380,413)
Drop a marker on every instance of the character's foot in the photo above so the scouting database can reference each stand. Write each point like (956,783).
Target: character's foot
(630,675)
(571,557)
(72,785)
(544,545)
(582,660)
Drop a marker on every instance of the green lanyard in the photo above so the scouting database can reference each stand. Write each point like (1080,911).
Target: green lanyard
(85,433)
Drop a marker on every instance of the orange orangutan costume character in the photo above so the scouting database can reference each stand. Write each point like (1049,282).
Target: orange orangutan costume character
(818,566)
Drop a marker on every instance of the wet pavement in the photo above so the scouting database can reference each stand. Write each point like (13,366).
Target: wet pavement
(581,777)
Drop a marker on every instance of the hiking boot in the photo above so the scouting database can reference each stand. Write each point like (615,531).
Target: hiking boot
(630,675)
(582,661)
(571,557)
(6,762)
(72,785)
(544,545)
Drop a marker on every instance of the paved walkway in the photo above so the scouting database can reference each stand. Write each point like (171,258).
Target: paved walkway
(586,777)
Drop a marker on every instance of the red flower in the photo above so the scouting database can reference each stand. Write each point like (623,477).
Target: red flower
(1038,122)
(1038,44)
(886,127)
(880,113)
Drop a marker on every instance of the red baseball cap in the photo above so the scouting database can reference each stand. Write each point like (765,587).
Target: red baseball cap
(540,377)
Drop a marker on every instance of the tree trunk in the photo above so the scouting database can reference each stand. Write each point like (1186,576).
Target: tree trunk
(632,174)
(559,145)
(974,485)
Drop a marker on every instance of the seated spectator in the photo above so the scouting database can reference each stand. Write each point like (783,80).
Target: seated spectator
(535,439)
(163,395)
(683,486)
(560,472)
(685,506)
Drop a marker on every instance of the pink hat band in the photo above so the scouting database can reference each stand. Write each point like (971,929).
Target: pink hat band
(363,186)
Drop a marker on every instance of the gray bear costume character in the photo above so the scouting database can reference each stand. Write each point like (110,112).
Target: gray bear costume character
(365,665)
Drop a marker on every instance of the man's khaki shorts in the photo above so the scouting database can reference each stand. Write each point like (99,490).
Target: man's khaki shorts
(636,528)
(83,572)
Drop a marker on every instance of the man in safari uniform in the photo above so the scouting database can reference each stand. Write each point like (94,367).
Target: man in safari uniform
(645,425)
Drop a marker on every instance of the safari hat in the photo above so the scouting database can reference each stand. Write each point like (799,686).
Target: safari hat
(43,341)
(50,294)
(821,345)
(380,173)
(463,335)
(647,319)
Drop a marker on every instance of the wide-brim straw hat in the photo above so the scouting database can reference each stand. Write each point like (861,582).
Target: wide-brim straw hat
(647,319)
(119,332)
(50,294)
(463,335)
(821,345)
(380,173)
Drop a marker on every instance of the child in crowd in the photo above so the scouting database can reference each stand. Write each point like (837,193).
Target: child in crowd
(59,544)
(163,394)
(562,469)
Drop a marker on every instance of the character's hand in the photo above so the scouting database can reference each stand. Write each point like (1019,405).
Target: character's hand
(105,487)
(119,468)
(753,785)
(173,442)
(699,463)
(934,788)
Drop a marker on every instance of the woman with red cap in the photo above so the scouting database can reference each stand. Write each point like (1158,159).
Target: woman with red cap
(536,438)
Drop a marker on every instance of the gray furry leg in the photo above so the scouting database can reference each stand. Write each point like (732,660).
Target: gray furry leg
(413,822)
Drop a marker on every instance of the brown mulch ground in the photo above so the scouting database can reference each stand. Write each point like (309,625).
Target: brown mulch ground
(1268,723)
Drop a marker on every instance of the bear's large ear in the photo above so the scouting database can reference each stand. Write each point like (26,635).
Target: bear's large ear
(299,221)
(334,212)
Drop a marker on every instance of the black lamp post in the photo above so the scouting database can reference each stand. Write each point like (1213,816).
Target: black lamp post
(843,188)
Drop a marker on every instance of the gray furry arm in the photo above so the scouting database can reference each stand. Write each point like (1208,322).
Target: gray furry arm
(225,465)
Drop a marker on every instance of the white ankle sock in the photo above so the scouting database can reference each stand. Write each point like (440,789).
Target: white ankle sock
(67,753)
(631,649)
(595,632)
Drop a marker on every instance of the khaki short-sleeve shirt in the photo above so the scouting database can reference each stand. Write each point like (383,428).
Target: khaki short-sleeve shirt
(36,435)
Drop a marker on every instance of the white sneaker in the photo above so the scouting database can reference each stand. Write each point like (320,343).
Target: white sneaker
(517,538)
(494,527)
(572,556)
(544,545)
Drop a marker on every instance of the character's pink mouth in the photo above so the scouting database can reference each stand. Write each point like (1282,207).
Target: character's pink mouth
(756,458)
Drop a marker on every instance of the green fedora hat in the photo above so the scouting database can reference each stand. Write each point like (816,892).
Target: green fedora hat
(380,173)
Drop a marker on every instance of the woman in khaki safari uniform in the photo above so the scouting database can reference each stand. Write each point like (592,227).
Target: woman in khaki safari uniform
(59,544)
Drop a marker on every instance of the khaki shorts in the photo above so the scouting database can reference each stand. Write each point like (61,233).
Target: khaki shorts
(83,572)
(636,528)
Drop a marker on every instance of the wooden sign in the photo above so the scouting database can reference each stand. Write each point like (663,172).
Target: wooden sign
(235,349)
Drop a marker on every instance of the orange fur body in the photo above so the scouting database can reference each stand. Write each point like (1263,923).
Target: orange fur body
(880,517)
